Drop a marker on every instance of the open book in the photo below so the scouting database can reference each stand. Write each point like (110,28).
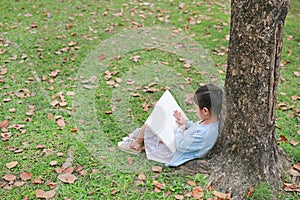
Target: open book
(162,122)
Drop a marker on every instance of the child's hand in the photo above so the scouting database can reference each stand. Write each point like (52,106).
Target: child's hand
(178,118)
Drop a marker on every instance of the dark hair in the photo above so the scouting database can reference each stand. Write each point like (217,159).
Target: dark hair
(209,96)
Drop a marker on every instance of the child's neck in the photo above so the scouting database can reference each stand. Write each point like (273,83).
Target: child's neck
(210,119)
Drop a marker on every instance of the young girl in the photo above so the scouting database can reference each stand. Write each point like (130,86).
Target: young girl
(192,139)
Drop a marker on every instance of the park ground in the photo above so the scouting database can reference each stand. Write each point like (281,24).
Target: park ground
(45,48)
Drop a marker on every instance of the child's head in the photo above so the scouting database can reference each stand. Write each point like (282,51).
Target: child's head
(209,96)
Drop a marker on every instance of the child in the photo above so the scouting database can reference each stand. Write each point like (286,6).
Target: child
(192,140)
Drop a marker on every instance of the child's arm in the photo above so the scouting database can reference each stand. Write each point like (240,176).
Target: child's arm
(182,123)
(179,118)
(188,141)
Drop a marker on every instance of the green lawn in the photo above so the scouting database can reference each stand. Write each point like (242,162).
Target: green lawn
(77,76)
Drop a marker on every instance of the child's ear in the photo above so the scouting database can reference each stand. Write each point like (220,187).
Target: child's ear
(205,110)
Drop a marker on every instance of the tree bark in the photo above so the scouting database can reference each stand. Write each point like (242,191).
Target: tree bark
(247,152)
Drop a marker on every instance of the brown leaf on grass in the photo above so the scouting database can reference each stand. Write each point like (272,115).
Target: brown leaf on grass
(37,180)
(157,169)
(4,124)
(59,154)
(9,177)
(135,94)
(294,142)
(19,183)
(54,74)
(67,178)
(40,146)
(129,81)
(101,57)
(145,106)
(294,172)
(135,58)
(3,71)
(83,172)
(70,93)
(79,168)
(282,138)
(197,192)
(59,170)
(295,98)
(118,80)
(250,192)
(61,123)
(189,98)
(52,185)
(53,163)
(130,160)
(69,170)
(12,164)
(221,195)
(114,192)
(45,195)
(108,112)
(158,184)
(25,176)
(6,136)
(179,197)
(12,110)
(297,74)
(63,104)
(142,177)
(191,183)
(289,187)
(297,167)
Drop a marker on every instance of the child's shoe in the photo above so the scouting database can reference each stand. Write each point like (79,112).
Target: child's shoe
(130,147)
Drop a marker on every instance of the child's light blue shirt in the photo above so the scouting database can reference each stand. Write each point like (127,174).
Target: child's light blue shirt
(195,142)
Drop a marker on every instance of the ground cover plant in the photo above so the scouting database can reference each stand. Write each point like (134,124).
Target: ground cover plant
(45,48)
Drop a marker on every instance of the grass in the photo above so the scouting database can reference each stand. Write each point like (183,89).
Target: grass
(38,38)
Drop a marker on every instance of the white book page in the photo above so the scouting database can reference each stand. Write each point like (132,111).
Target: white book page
(161,120)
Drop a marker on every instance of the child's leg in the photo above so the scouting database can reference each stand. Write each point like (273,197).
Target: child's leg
(140,137)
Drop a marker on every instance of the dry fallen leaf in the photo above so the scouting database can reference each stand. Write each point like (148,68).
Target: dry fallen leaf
(189,98)
(191,183)
(158,184)
(61,123)
(9,177)
(141,177)
(53,163)
(69,170)
(4,124)
(293,142)
(251,190)
(25,176)
(221,195)
(19,183)
(45,195)
(197,192)
(12,164)
(52,185)
(113,191)
(157,169)
(67,178)
(179,197)
(40,146)
(130,160)
(297,74)
(101,57)
(38,180)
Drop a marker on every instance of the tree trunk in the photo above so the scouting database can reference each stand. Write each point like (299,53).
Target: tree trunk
(247,152)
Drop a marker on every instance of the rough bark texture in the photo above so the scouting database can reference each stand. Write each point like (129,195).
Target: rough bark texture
(247,152)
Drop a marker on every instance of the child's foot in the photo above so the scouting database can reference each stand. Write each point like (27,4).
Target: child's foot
(128,139)
(130,147)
